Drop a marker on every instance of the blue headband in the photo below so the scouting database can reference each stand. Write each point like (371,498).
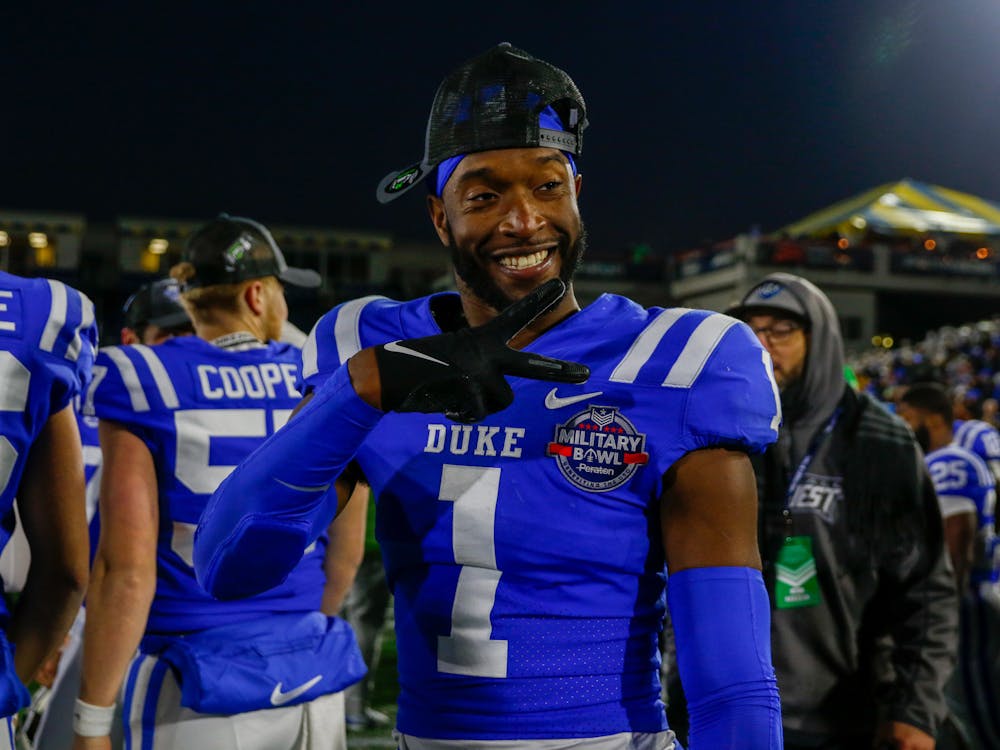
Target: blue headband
(547,118)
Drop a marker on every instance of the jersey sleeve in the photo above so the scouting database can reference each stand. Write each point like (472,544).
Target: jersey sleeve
(341,333)
(121,391)
(733,399)
(68,343)
(963,483)
(988,447)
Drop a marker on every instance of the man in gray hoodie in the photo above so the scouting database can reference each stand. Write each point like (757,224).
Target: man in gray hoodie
(864,608)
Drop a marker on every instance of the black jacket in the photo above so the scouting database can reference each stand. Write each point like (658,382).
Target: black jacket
(882,642)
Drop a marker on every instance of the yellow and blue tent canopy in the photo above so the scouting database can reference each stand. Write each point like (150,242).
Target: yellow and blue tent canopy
(904,207)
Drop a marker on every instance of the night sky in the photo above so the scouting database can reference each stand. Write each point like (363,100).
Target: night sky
(706,117)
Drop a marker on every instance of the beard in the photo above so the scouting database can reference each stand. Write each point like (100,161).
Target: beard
(471,267)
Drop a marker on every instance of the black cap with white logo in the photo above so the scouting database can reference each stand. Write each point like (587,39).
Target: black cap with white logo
(491,102)
(231,249)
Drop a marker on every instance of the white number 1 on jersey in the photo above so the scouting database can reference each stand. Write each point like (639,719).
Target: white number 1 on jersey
(469,650)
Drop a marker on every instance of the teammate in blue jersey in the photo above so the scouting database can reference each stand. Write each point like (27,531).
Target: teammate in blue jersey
(966,490)
(524,509)
(980,438)
(48,339)
(263,673)
(151,315)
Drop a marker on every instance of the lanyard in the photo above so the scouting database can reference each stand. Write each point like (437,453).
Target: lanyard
(807,459)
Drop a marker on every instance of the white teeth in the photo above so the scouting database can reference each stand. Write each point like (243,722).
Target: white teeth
(520,262)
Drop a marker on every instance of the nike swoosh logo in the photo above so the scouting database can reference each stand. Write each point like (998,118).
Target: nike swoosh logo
(395,348)
(301,488)
(552,401)
(279,698)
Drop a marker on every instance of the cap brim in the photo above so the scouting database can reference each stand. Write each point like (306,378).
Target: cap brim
(301,277)
(170,320)
(742,312)
(401,181)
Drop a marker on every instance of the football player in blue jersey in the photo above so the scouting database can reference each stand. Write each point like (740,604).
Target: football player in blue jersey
(151,315)
(966,491)
(975,435)
(535,464)
(154,314)
(263,673)
(48,340)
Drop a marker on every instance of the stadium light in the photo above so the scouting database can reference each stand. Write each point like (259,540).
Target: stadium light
(887,342)
(38,240)
(4,239)
(876,341)
(158,246)
(45,256)
(150,261)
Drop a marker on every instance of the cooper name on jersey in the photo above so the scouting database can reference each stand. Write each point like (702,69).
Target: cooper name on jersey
(265,381)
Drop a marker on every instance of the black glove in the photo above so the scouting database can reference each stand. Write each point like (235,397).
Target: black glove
(461,374)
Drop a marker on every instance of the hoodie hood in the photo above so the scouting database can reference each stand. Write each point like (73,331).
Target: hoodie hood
(808,402)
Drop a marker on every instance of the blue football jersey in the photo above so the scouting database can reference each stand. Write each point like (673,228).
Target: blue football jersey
(92,462)
(48,340)
(982,439)
(964,484)
(524,551)
(201,410)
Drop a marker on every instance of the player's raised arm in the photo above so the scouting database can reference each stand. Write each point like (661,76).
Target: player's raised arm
(283,495)
(461,374)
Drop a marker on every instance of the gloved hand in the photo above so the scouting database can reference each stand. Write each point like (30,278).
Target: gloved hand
(461,374)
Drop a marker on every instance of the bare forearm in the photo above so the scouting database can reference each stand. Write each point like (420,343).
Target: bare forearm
(339,579)
(45,611)
(117,610)
(346,547)
(52,506)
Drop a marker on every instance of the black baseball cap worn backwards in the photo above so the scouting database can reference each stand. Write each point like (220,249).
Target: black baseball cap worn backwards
(492,102)
(231,249)
(155,304)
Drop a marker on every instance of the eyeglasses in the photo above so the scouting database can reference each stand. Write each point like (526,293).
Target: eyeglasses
(779,332)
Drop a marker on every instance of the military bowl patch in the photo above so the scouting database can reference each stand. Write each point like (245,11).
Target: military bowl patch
(598,449)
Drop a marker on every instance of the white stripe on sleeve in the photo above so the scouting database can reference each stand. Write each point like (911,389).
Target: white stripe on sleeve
(86,320)
(697,350)
(129,376)
(310,355)
(160,376)
(57,316)
(645,344)
(346,330)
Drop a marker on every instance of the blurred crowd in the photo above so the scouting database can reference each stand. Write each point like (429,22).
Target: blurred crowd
(965,358)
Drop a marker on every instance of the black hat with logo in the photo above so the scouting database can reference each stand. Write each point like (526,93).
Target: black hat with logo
(491,102)
(155,304)
(231,249)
